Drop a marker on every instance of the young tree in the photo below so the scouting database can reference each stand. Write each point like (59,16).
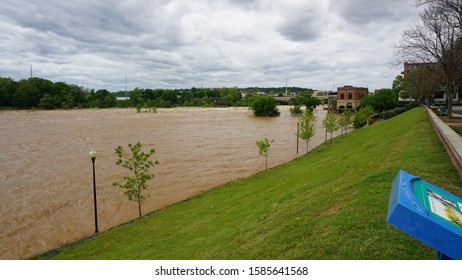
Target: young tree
(307,126)
(263,147)
(330,123)
(345,120)
(138,163)
(363,117)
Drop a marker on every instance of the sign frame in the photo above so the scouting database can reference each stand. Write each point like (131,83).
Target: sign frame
(418,208)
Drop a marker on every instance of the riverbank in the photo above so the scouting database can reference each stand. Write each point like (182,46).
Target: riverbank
(46,194)
(330,204)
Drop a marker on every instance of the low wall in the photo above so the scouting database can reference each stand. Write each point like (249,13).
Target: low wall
(450,139)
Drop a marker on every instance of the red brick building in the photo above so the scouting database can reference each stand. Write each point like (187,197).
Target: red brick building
(409,67)
(349,97)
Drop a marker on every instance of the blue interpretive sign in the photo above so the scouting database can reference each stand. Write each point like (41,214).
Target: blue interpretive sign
(428,213)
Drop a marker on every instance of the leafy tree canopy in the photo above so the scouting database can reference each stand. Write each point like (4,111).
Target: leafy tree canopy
(264,106)
(307,126)
(139,164)
(384,100)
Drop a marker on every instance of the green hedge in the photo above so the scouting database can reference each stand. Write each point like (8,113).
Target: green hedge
(394,112)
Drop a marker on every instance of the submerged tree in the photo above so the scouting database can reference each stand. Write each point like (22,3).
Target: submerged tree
(264,106)
(296,110)
(263,148)
(307,126)
(138,163)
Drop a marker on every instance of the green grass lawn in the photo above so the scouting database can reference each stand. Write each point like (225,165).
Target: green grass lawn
(330,204)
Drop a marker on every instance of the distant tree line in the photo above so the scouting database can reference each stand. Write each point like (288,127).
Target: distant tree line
(277,90)
(41,93)
(195,97)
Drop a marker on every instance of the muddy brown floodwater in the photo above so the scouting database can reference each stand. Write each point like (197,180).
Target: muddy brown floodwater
(46,186)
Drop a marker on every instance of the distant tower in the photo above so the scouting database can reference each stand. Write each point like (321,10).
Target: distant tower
(31,71)
(286,86)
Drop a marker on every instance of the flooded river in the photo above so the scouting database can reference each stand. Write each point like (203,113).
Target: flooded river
(46,187)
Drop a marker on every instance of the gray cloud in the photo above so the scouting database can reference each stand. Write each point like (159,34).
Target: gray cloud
(366,11)
(301,21)
(300,29)
(185,43)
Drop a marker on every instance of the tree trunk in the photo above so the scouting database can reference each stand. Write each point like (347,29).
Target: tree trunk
(139,201)
(449,94)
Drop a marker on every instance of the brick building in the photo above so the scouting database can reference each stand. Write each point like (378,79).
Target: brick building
(409,67)
(349,97)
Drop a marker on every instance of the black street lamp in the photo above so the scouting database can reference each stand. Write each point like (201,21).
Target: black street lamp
(298,134)
(93,158)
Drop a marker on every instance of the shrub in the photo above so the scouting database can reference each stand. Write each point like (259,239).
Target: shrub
(394,112)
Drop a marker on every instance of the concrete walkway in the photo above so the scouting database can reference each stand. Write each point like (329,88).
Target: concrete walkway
(450,139)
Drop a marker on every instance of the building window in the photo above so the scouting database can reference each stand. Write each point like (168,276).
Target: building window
(342,95)
(350,95)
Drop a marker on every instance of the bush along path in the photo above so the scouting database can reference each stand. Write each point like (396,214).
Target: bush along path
(329,204)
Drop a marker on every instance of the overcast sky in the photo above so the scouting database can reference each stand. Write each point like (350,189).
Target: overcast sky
(187,43)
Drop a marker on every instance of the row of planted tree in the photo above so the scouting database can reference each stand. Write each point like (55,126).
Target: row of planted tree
(139,163)
(306,126)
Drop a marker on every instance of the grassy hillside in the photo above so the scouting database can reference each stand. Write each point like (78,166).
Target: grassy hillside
(330,204)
